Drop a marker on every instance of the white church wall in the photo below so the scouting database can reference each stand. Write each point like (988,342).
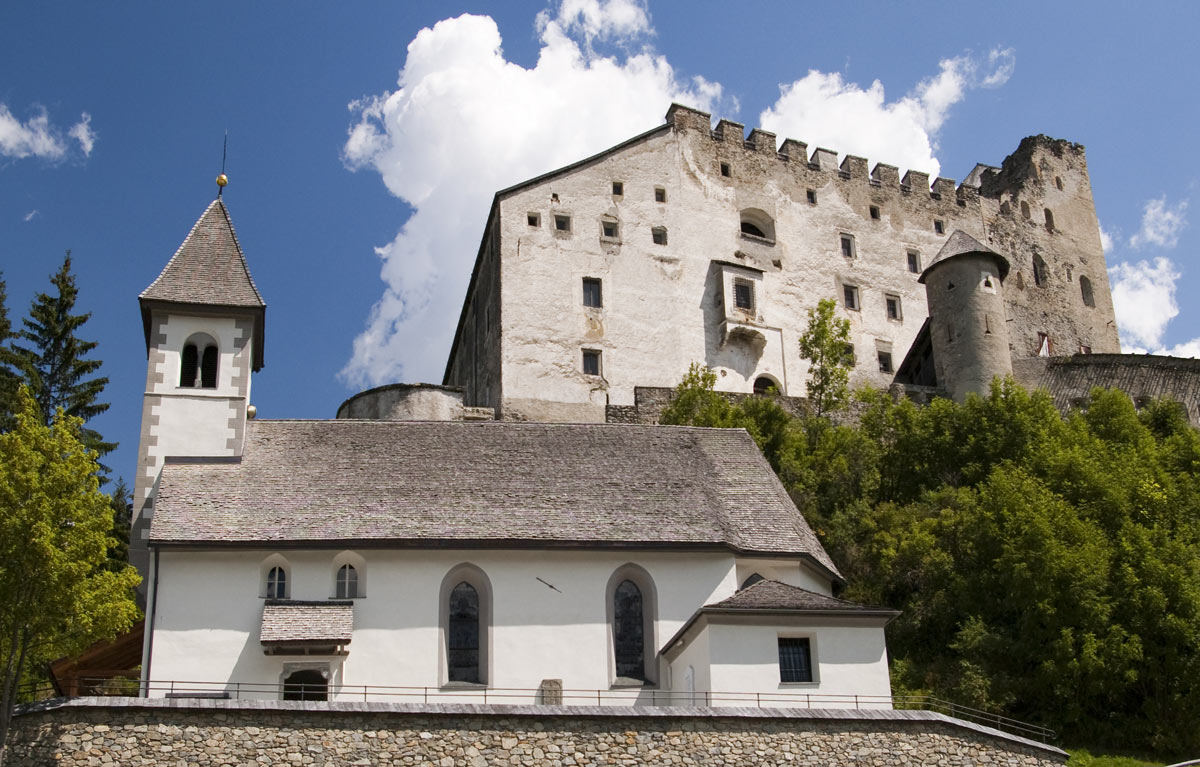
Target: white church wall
(208,610)
(793,572)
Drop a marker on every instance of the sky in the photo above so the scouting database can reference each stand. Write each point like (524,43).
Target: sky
(366,140)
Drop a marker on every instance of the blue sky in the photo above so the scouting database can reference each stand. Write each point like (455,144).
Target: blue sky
(363,151)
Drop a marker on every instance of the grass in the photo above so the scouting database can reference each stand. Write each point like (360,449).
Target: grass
(1081,758)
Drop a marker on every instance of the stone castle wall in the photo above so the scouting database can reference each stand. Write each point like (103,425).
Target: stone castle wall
(156,732)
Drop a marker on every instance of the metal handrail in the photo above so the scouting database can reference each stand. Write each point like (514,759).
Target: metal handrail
(634,696)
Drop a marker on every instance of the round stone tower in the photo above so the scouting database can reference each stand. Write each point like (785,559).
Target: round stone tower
(967,323)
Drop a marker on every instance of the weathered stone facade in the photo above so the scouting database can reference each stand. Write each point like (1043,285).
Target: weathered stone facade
(97,731)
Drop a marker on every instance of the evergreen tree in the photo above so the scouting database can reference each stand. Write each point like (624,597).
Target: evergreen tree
(8,367)
(52,359)
(122,512)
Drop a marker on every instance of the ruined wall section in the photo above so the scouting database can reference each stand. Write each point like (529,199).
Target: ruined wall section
(1040,214)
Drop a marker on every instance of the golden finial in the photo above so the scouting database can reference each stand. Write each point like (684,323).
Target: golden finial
(222,180)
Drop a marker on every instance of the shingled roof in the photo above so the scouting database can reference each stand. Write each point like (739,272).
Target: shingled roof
(461,484)
(208,270)
(774,596)
(960,243)
(285,622)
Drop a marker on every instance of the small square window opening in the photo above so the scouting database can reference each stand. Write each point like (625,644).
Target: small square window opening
(534,219)
(743,295)
(893,306)
(850,294)
(660,194)
(847,245)
(938,226)
(795,660)
(812,197)
(591,292)
(725,170)
(885,362)
(609,230)
(659,235)
(591,362)
(562,223)
(618,189)
(875,212)
(914,262)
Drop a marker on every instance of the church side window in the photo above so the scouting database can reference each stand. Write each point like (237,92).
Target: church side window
(795,660)
(629,641)
(462,642)
(277,583)
(347,582)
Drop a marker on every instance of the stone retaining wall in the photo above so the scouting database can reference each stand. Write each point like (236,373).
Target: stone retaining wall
(158,732)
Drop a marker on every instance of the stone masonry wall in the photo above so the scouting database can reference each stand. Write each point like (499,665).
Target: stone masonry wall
(156,732)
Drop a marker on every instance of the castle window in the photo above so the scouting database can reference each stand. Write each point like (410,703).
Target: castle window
(659,235)
(462,639)
(631,608)
(660,194)
(1085,288)
(725,170)
(347,582)
(795,660)
(743,295)
(812,196)
(1024,209)
(1058,183)
(562,223)
(533,219)
(875,212)
(1085,349)
(1044,348)
(277,583)
(885,361)
(850,294)
(591,292)
(764,385)
(847,241)
(618,189)
(751,579)
(609,229)
(1040,274)
(938,226)
(892,304)
(1049,220)
(914,262)
(591,362)
(756,223)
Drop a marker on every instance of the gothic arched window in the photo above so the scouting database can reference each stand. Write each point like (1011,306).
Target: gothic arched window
(347,582)
(462,636)
(277,583)
(629,638)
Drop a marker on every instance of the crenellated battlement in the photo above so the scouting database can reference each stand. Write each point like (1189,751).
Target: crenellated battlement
(983,180)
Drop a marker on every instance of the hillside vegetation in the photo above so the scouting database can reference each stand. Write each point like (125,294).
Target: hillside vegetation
(1048,567)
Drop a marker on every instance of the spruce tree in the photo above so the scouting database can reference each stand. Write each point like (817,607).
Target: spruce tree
(52,360)
(9,378)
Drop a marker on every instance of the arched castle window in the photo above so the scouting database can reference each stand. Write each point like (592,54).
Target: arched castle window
(466,617)
(765,385)
(1024,209)
(757,223)
(198,362)
(1040,273)
(1085,289)
(1049,220)
(631,609)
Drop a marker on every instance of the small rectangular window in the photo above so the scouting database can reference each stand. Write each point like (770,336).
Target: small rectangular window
(892,302)
(875,212)
(938,226)
(591,362)
(660,194)
(812,196)
(591,292)
(1045,346)
(725,170)
(795,660)
(743,295)
(847,245)
(618,189)
(609,230)
(1085,349)
(659,235)
(914,262)
(534,219)
(885,362)
(850,293)
(562,223)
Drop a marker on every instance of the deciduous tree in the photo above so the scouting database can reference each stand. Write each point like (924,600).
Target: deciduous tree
(825,343)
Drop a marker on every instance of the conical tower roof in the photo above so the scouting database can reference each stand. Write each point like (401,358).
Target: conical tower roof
(959,243)
(208,273)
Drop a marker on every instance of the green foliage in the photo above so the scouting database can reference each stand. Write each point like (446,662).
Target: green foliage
(1048,567)
(57,595)
(122,520)
(825,343)
(8,368)
(52,363)
(1081,758)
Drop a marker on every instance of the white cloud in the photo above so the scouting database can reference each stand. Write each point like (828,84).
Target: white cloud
(465,122)
(82,132)
(1161,224)
(822,109)
(36,137)
(29,216)
(1144,301)
(1106,241)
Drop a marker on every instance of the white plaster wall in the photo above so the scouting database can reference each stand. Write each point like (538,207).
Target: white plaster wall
(209,610)
(179,328)
(849,658)
(793,572)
